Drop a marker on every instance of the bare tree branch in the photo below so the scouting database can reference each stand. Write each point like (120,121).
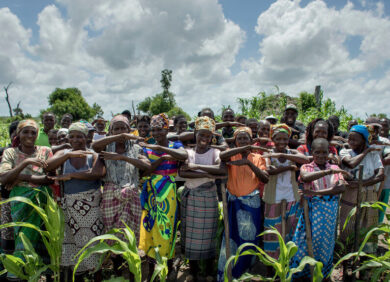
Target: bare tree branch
(7,98)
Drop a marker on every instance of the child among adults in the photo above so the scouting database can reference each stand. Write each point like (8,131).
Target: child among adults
(322,184)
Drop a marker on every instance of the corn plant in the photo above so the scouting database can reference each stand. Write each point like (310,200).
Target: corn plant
(111,243)
(161,268)
(379,266)
(52,236)
(30,268)
(280,265)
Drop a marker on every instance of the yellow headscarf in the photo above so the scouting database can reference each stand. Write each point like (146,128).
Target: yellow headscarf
(26,123)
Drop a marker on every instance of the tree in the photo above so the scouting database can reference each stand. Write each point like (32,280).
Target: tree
(18,110)
(7,98)
(70,100)
(162,102)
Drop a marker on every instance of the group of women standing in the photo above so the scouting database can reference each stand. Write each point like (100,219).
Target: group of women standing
(130,177)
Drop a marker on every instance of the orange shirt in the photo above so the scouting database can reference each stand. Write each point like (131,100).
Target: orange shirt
(242,180)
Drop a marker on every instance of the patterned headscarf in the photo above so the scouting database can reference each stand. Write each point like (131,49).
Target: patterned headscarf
(282,127)
(26,123)
(80,127)
(362,130)
(205,123)
(160,120)
(242,129)
(119,118)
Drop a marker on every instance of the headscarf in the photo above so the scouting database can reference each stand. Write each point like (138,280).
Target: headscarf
(62,130)
(160,120)
(90,126)
(205,123)
(362,130)
(80,127)
(26,123)
(118,118)
(282,127)
(242,129)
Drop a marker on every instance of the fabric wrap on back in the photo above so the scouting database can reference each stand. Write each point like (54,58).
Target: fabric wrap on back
(270,189)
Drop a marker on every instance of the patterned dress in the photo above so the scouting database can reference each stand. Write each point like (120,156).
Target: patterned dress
(82,215)
(159,206)
(323,220)
(121,195)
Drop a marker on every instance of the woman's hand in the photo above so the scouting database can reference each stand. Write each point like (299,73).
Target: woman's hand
(64,177)
(343,172)
(241,162)
(36,162)
(150,146)
(111,156)
(78,154)
(273,155)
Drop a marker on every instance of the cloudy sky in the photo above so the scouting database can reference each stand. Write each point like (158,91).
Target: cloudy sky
(114,50)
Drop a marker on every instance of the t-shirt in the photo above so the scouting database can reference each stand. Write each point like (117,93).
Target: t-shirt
(371,162)
(97,136)
(211,157)
(123,173)
(13,157)
(386,152)
(324,182)
(42,139)
(242,180)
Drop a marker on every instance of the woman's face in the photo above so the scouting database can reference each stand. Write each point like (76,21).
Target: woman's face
(61,138)
(28,135)
(100,126)
(181,125)
(264,129)
(66,122)
(119,128)
(228,116)
(320,154)
(243,139)
(320,131)
(281,141)
(143,129)
(356,141)
(53,139)
(253,126)
(159,134)
(203,138)
(48,121)
(77,140)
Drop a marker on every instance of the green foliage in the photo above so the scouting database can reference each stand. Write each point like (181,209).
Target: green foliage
(30,268)
(264,104)
(163,102)
(379,266)
(52,236)
(280,265)
(70,100)
(161,268)
(126,248)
